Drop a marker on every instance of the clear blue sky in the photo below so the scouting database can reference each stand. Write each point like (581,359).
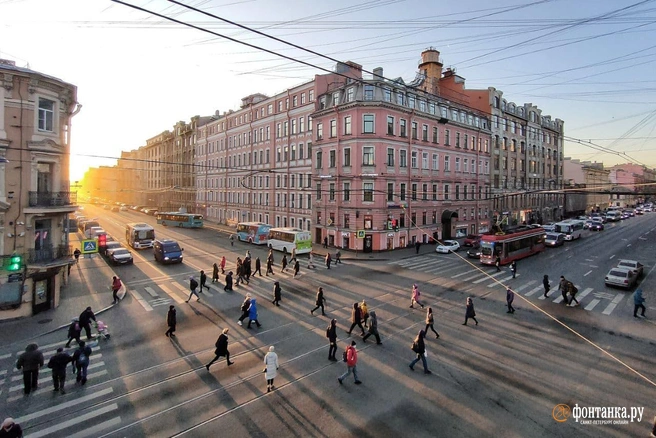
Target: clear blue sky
(588,62)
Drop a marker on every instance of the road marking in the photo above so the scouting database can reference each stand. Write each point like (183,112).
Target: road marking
(45,371)
(443,270)
(559,299)
(172,294)
(3,372)
(605,295)
(533,291)
(181,288)
(642,238)
(613,304)
(141,301)
(628,245)
(488,277)
(74,421)
(592,304)
(587,273)
(465,273)
(5,356)
(160,302)
(61,406)
(503,281)
(473,276)
(585,292)
(612,257)
(41,391)
(20,387)
(151,292)
(206,292)
(93,431)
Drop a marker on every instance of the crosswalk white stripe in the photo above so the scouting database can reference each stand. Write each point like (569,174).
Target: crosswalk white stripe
(3,372)
(559,299)
(60,406)
(47,347)
(206,291)
(47,354)
(613,304)
(532,291)
(592,304)
(160,302)
(5,356)
(502,281)
(437,268)
(45,372)
(151,292)
(405,262)
(137,296)
(478,273)
(584,293)
(464,273)
(73,421)
(20,387)
(523,286)
(181,288)
(422,262)
(170,293)
(488,277)
(94,430)
(41,391)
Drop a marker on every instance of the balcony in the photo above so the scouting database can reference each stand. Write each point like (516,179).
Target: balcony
(52,202)
(49,255)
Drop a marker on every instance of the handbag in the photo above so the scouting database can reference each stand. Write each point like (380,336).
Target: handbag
(344,356)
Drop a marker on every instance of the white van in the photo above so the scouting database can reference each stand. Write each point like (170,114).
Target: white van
(614,216)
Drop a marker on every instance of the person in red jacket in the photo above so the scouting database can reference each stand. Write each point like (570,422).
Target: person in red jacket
(351,364)
(116,286)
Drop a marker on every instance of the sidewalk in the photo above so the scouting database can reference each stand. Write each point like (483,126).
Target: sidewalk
(88,285)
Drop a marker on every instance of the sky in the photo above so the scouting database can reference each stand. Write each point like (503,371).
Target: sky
(587,62)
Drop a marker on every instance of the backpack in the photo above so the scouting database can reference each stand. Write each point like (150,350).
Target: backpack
(82,359)
(328,332)
(193,284)
(574,289)
(345,355)
(415,347)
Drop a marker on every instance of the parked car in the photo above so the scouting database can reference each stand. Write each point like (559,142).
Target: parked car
(554,239)
(638,211)
(550,227)
(121,256)
(115,208)
(621,277)
(472,240)
(448,246)
(112,245)
(123,208)
(635,266)
(475,252)
(598,216)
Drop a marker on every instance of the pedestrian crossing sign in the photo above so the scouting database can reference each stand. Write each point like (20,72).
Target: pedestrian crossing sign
(360,234)
(89,246)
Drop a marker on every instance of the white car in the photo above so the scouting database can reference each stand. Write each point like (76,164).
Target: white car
(633,265)
(621,277)
(448,246)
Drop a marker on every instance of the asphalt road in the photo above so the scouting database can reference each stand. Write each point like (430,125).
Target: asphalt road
(503,377)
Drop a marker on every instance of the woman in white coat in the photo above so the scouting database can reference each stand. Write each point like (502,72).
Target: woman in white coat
(270,367)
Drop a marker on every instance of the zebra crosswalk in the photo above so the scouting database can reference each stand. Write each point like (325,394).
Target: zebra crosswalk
(602,301)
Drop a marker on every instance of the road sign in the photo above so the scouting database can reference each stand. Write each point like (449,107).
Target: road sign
(360,234)
(89,246)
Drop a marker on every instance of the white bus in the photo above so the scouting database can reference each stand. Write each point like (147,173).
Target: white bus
(139,235)
(287,239)
(571,228)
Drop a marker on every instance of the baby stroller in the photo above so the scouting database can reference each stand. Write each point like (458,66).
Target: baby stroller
(103,331)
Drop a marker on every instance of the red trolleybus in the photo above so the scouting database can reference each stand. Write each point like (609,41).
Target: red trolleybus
(514,243)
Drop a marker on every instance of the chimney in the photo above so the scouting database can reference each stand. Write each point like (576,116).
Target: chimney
(7,62)
(431,66)
(378,73)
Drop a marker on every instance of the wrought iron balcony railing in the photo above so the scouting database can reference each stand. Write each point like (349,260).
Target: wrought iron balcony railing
(52,199)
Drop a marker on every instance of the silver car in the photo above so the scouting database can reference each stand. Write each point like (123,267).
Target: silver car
(621,277)
(554,239)
(635,266)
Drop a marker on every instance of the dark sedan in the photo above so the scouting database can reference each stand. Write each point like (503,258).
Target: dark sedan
(120,256)
(475,252)
(596,226)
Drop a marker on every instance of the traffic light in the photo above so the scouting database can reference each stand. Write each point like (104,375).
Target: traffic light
(102,240)
(15,263)
(395,225)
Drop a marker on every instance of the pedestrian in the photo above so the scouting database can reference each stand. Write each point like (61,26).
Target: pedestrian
(417,246)
(203,281)
(331,334)
(223,264)
(58,364)
(171,321)
(351,359)
(269,269)
(116,286)
(215,273)
(244,309)
(258,266)
(639,303)
(419,347)
(365,312)
(415,297)
(328,260)
(221,349)
(293,259)
(277,292)
(356,318)
(513,268)
(228,282)
(510,297)
(85,321)
(325,242)
(572,293)
(30,361)
(373,328)
(430,321)
(252,314)
(248,269)
(338,257)
(563,287)
(311,261)
(76,254)
(270,368)
(319,302)
(11,429)
(547,286)
(248,254)
(470,312)
(193,284)
(239,270)
(297,268)
(74,331)
(497,263)
(232,240)
(284,263)
(81,362)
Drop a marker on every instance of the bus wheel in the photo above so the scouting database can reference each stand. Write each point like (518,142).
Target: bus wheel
(250,240)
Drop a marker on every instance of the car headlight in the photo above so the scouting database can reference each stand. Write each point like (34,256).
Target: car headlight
(166,258)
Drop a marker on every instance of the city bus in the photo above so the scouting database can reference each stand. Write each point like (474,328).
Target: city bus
(182,220)
(139,235)
(512,244)
(253,232)
(571,228)
(287,239)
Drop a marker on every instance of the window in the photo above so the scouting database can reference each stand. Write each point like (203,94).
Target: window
(270,108)
(414,130)
(301,124)
(387,94)
(368,92)
(390,125)
(465,165)
(434,193)
(349,94)
(424,132)
(347,125)
(413,159)
(422,106)
(333,128)
(473,166)
(319,191)
(447,137)
(435,135)
(309,123)
(436,161)
(447,161)
(457,139)
(402,192)
(473,191)
(368,195)
(295,101)
(46,114)
(300,151)
(319,131)
(390,192)
(347,191)
(293,157)
(335,99)
(403,158)
(446,192)
(424,160)
(319,160)
(414,191)
(347,157)
(368,156)
(411,101)
(400,98)
(402,128)
(424,193)
(331,192)
(368,123)
(294,126)
(390,156)
(346,221)
(332,158)
(457,164)
(311,95)
(465,143)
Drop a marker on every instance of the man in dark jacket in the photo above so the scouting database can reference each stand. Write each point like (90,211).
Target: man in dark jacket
(171,321)
(81,362)
(58,364)
(221,349)
(30,361)
(74,331)
(203,281)
(228,282)
(85,321)
(193,284)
